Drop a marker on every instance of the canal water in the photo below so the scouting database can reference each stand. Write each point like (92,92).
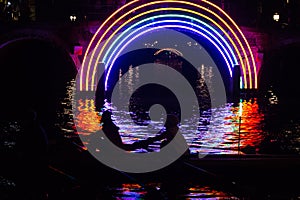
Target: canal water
(253,126)
(260,124)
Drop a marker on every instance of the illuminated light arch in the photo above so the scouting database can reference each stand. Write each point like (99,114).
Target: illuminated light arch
(111,63)
(144,6)
(179,9)
(96,34)
(233,59)
(175,51)
(168,15)
(242,35)
(147,12)
(159,22)
(159,27)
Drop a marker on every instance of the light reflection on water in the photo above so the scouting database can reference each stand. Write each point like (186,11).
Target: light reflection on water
(220,135)
(223,134)
(231,129)
(127,191)
(227,135)
(130,191)
(205,192)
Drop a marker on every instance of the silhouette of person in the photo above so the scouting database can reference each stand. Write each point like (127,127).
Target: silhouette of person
(166,135)
(171,185)
(112,132)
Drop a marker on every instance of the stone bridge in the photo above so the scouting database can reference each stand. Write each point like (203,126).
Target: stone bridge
(74,37)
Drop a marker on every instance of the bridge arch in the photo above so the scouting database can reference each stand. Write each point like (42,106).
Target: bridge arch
(37,34)
(279,72)
(36,67)
(209,18)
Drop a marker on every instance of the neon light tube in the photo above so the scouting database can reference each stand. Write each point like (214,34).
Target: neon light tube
(175,9)
(169,21)
(239,30)
(152,3)
(95,35)
(155,28)
(195,5)
(233,62)
(172,21)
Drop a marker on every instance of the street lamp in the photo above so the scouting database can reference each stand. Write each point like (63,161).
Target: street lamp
(73,18)
(276,17)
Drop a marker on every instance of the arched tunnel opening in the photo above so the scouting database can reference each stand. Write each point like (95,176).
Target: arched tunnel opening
(151,94)
(280,71)
(35,73)
(279,78)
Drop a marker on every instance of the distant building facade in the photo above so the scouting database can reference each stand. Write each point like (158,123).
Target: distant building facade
(250,13)
(254,17)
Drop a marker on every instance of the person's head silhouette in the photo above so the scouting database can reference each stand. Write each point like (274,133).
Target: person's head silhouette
(106,116)
(172,121)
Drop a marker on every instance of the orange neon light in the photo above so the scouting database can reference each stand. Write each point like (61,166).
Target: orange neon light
(248,46)
(95,35)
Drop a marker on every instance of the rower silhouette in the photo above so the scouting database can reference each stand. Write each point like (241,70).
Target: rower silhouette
(111,130)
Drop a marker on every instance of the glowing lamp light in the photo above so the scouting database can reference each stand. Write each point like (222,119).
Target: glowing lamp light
(78,50)
(276,17)
(73,18)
